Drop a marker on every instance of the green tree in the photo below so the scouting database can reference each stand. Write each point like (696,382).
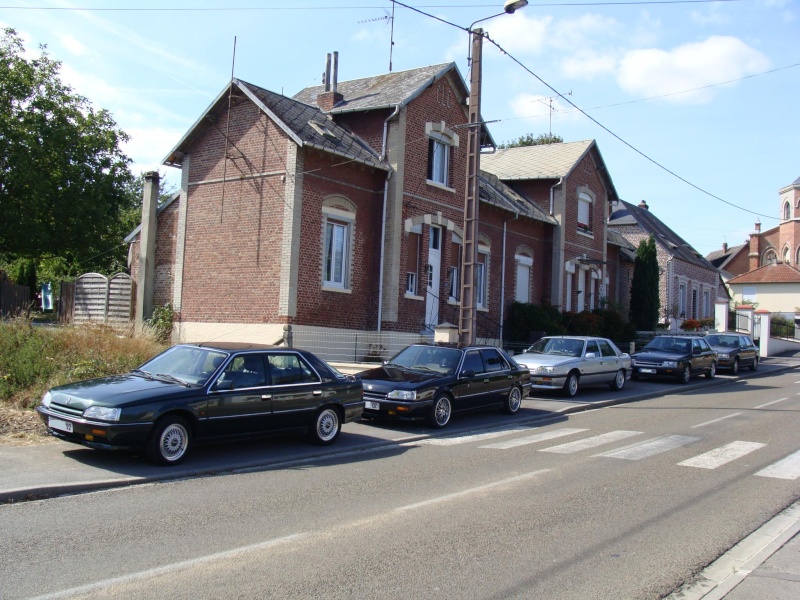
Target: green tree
(529,140)
(645,303)
(63,175)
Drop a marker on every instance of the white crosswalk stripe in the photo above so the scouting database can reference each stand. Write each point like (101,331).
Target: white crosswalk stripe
(723,455)
(464,439)
(592,442)
(787,468)
(532,439)
(650,447)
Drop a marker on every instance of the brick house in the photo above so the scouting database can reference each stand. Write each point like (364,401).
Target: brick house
(338,211)
(588,265)
(689,284)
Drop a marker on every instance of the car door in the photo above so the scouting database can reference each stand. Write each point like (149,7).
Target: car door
(297,390)
(747,351)
(702,355)
(592,367)
(497,376)
(472,385)
(239,401)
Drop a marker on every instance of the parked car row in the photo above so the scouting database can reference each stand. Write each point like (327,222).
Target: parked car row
(195,393)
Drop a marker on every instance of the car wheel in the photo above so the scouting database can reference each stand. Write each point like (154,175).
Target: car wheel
(754,366)
(169,441)
(441,411)
(571,385)
(513,402)
(735,367)
(325,428)
(619,380)
(712,371)
(685,375)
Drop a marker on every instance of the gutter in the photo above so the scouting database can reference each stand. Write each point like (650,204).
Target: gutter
(383,214)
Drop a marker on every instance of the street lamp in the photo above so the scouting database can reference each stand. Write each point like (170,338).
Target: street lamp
(467,312)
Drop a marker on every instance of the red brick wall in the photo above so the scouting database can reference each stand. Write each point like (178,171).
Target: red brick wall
(167,229)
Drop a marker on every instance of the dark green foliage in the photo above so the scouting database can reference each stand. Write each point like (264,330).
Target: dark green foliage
(161,322)
(529,140)
(526,319)
(645,303)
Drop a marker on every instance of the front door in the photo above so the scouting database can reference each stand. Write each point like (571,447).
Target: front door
(434,278)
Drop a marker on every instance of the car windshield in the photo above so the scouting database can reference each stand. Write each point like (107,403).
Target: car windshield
(668,344)
(184,364)
(725,341)
(558,346)
(428,358)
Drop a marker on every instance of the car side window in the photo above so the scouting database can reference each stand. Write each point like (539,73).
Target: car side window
(591,346)
(473,362)
(493,360)
(288,369)
(697,348)
(245,371)
(605,348)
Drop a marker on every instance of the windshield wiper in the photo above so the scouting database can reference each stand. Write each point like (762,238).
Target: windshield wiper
(145,373)
(173,378)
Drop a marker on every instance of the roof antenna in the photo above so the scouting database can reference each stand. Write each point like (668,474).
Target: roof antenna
(389,19)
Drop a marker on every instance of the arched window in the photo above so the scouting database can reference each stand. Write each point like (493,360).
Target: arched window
(787,256)
(786,211)
(770,257)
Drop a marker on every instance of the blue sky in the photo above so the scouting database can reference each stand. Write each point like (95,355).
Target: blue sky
(708,90)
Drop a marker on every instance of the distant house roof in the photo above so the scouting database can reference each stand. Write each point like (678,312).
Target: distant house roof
(626,213)
(306,125)
(495,192)
(720,258)
(543,161)
(771,273)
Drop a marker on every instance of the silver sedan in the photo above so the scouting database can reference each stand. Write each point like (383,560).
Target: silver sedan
(565,362)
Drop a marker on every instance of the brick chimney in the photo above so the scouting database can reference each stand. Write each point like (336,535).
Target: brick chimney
(724,247)
(643,205)
(755,247)
(331,96)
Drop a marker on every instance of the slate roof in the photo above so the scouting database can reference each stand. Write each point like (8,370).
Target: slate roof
(719,258)
(495,192)
(630,214)
(544,161)
(306,125)
(771,273)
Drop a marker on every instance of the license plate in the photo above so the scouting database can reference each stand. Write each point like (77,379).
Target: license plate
(59,424)
(372,405)
(647,370)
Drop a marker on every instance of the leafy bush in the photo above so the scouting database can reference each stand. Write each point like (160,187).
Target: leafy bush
(526,319)
(690,325)
(161,323)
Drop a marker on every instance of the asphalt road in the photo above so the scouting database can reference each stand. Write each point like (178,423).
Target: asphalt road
(624,502)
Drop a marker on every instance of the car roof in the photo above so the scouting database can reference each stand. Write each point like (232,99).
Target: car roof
(236,346)
(576,337)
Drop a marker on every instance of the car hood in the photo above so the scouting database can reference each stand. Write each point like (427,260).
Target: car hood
(724,349)
(532,360)
(117,390)
(659,355)
(393,378)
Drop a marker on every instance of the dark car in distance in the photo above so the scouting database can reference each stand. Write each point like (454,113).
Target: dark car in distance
(679,357)
(432,382)
(203,392)
(734,350)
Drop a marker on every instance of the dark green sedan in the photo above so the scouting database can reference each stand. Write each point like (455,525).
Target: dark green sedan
(203,392)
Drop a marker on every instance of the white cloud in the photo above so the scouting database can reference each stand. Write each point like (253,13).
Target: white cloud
(652,72)
(587,31)
(72,45)
(520,34)
(588,64)
(148,146)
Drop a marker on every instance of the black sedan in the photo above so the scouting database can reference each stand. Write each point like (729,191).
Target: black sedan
(734,350)
(203,392)
(678,356)
(433,382)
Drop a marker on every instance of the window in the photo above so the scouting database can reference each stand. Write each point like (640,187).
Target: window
(682,300)
(584,213)
(786,212)
(591,346)
(412,263)
(481,283)
(522,290)
(287,369)
(336,254)
(493,361)
(706,304)
(455,269)
(438,162)
(787,255)
(605,348)
(770,258)
(694,304)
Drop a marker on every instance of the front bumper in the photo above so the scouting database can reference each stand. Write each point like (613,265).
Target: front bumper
(95,434)
(657,371)
(395,409)
(548,382)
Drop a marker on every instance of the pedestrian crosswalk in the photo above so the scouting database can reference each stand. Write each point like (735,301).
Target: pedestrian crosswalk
(786,468)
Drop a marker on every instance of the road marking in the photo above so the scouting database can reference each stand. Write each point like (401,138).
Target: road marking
(166,569)
(723,455)
(475,490)
(592,442)
(773,402)
(463,439)
(532,439)
(787,468)
(716,420)
(650,447)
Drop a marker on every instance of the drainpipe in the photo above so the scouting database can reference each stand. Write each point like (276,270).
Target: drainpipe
(383,217)
(503,276)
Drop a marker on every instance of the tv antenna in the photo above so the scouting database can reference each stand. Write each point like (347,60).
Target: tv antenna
(386,18)
(549,102)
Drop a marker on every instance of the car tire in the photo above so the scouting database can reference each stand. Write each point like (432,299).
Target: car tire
(570,385)
(685,375)
(441,411)
(754,366)
(712,372)
(169,441)
(326,427)
(735,367)
(513,401)
(619,381)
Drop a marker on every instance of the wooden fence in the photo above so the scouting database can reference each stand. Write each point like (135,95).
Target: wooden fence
(95,298)
(13,298)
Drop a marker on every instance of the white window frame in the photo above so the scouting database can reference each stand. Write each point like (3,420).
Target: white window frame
(441,140)
(523,262)
(482,280)
(584,223)
(454,293)
(337,221)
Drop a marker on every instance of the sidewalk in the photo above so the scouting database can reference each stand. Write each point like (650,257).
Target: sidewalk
(765,564)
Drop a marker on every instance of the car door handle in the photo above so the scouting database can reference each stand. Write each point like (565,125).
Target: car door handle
(317,392)
(266,397)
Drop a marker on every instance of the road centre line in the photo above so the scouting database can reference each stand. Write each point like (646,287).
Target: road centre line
(788,468)
(592,442)
(171,568)
(532,439)
(723,455)
(475,490)
(773,402)
(716,420)
(650,447)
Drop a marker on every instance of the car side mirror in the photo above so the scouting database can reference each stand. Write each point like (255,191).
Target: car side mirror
(591,355)
(223,385)
(468,373)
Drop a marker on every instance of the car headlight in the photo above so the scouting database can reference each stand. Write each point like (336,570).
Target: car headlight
(47,399)
(545,369)
(103,413)
(670,363)
(724,355)
(402,395)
